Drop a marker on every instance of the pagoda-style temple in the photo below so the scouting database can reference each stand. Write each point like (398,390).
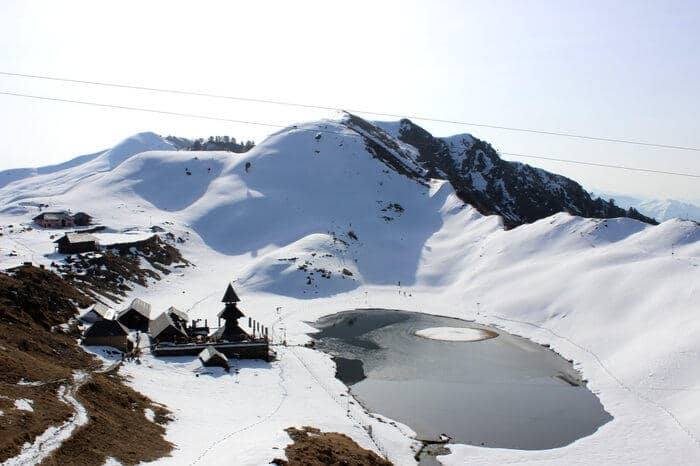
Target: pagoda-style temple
(230,339)
(230,314)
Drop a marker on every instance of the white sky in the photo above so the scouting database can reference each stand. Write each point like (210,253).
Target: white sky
(619,69)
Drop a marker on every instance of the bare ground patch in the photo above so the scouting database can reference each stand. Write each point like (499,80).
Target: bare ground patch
(118,426)
(311,447)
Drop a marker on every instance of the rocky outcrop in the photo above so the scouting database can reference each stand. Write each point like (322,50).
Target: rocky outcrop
(517,192)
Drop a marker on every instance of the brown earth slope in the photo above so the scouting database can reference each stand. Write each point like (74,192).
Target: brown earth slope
(39,354)
(112,272)
(312,447)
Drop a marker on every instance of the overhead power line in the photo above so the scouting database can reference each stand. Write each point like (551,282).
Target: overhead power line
(315,130)
(604,165)
(369,112)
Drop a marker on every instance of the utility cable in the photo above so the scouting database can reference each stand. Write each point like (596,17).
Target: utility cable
(292,127)
(363,111)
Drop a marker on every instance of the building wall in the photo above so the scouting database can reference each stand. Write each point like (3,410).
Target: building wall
(121,342)
(81,221)
(169,334)
(65,247)
(55,223)
(134,321)
(91,316)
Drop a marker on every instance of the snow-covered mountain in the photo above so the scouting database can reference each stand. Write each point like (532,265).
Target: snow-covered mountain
(517,192)
(99,161)
(18,185)
(659,209)
(335,215)
(666,209)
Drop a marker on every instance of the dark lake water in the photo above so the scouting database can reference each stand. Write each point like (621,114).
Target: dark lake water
(504,392)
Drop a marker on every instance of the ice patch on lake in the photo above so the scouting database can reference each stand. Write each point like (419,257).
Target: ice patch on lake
(456,334)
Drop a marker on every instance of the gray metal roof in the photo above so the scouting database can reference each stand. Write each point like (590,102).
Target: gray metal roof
(137,305)
(209,353)
(140,306)
(161,323)
(81,238)
(101,310)
(181,314)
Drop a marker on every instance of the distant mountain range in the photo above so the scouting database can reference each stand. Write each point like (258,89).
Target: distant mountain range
(659,209)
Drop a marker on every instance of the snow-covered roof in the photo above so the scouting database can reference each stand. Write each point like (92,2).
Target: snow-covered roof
(99,310)
(210,353)
(109,239)
(80,238)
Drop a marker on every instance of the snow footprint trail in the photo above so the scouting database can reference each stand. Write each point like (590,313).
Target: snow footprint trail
(346,405)
(53,437)
(281,382)
(605,368)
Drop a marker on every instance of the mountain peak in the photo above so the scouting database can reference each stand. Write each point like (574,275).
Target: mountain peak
(135,144)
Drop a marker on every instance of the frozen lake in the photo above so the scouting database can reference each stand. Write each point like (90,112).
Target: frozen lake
(503,391)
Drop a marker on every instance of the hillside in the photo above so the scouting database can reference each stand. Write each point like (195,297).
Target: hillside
(335,215)
(58,384)
(56,179)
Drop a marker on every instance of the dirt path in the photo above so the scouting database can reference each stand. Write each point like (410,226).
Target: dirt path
(54,436)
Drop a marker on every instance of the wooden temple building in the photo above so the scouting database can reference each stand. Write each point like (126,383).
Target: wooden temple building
(229,340)
(230,314)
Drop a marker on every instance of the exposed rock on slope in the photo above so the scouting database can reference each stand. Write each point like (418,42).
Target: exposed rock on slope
(517,192)
(112,273)
(387,149)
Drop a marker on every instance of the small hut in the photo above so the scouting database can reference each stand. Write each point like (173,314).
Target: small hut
(168,327)
(137,316)
(108,333)
(82,219)
(74,243)
(210,357)
(230,314)
(97,311)
(61,219)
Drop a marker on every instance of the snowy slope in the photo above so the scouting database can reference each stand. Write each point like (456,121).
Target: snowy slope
(18,184)
(285,219)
